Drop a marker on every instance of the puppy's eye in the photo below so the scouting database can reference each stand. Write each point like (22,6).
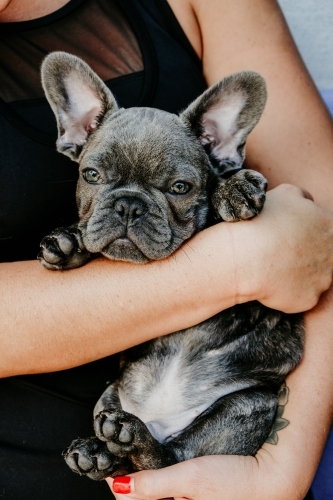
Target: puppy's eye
(91,175)
(180,187)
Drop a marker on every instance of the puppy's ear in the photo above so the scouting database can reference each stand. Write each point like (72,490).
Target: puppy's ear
(224,115)
(78,98)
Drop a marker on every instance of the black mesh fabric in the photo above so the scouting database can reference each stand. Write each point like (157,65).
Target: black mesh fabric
(96,30)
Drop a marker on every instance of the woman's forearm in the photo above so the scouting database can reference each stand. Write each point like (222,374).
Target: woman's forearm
(292,463)
(55,320)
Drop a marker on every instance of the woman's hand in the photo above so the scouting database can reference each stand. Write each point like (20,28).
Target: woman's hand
(212,478)
(204,478)
(286,253)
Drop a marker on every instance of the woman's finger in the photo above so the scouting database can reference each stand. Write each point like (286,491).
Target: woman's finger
(303,192)
(307,195)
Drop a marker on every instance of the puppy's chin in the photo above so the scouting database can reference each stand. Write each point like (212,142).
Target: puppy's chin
(124,249)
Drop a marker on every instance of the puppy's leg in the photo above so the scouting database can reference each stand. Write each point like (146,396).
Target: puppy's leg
(91,457)
(237,424)
(63,249)
(123,443)
(240,197)
(126,436)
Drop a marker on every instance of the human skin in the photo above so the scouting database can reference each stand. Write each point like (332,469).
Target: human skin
(190,297)
(23,10)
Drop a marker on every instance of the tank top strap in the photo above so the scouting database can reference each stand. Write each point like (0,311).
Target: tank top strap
(164,16)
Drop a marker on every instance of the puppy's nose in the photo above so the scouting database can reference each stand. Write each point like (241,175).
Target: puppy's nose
(129,209)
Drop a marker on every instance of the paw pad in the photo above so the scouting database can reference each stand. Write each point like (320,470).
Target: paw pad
(89,457)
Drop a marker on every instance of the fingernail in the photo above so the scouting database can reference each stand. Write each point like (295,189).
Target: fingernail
(122,485)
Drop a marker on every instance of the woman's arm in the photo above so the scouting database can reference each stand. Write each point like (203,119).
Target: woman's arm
(55,320)
(293,142)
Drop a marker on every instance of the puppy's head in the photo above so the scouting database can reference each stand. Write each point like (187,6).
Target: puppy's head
(145,173)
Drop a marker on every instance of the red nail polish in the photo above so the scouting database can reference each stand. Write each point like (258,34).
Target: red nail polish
(122,485)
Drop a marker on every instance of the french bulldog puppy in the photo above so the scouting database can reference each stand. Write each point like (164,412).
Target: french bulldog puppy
(149,180)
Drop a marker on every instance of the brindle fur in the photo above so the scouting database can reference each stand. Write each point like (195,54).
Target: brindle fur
(210,389)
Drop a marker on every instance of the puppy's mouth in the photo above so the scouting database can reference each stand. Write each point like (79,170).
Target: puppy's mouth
(123,241)
(124,249)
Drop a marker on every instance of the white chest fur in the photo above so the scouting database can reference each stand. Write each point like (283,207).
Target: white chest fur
(173,401)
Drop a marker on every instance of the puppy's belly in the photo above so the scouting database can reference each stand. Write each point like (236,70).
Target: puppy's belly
(168,390)
(168,413)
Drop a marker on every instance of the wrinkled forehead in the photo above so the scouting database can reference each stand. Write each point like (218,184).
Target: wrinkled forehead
(146,142)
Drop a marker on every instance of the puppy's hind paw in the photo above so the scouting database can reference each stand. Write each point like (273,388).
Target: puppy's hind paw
(63,249)
(90,457)
(122,431)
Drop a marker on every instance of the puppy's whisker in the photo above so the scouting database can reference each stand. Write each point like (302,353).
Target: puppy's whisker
(183,250)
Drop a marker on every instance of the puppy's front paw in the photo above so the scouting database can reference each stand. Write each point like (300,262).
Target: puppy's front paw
(122,431)
(241,197)
(63,249)
(90,457)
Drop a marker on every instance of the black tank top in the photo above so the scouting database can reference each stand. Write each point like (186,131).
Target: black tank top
(41,414)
